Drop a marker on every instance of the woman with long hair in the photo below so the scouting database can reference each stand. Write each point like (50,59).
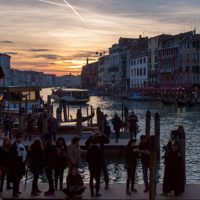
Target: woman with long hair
(5,157)
(75,185)
(35,160)
(60,160)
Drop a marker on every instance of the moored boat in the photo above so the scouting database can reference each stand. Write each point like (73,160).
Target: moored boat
(71,96)
(192,102)
(182,102)
(167,101)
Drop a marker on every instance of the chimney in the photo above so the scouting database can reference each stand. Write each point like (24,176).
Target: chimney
(87,61)
(194,32)
(140,36)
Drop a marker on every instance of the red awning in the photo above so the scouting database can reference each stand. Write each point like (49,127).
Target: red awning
(121,86)
(103,86)
(150,88)
(172,87)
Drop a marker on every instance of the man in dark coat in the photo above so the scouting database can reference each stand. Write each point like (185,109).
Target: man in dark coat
(102,140)
(95,160)
(174,175)
(53,126)
(133,124)
(18,153)
(117,123)
(8,124)
(144,151)
(49,162)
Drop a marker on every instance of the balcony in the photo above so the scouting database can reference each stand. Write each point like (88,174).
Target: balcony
(123,56)
(156,51)
(152,72)
(123,76)
(169,70)
(168,46)
(153,83)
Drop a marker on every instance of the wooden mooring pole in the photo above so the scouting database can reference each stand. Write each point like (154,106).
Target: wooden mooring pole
(87,117)
(101,123)
(91,110)
(126,116)
(122,113)
(79,122)
(20,123)
(148,122)
(44,127)
(152,167)
(98,112)
(157,133)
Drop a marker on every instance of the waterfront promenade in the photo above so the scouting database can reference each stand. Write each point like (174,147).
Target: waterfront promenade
(116,191)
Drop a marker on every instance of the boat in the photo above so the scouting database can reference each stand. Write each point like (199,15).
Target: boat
(71,95)
(83,118)
(167,101)
(182,102)
(15,95)
(192,102)
(138,97)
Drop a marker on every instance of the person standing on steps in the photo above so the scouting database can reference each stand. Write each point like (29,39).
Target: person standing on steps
(174,174)
(18,158)
(133,124)
(144,151)
(117,123)
(8,124)
(49,162)
(74,153)
(5,159)
(107,130)
(60,161)
(102,140)
(95,160)
(53,126)
(30,120)
(75,186)
(35,159)
(131,154)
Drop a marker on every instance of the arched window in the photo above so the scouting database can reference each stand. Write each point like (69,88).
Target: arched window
(176,64)
(167,65)
(197,55)
(194,57)
(163,65)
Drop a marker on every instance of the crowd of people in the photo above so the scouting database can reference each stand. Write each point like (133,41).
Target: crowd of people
(54,158)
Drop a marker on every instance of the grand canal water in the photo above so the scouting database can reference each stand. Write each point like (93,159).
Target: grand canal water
(170,118)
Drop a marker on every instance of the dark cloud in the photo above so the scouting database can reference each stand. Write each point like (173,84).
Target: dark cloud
(52,63)
(36,50)
(13,53)
(7,42)
(48,56)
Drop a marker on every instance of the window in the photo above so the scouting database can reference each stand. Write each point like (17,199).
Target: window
(167,65)
(188,45)
(140,60)
(194,44)
(187,78)
(187,69)
(140,71)
(159,65)
(32,95)
(198,56)
(185,46)
(171,65)
(149,59)
(181,69)
(181,57)
(134,72)
(131,62)
(158,78)
(144,71)
(194,56)
(156,59)
(172,78)
(163,78)
(131,72)
(167,53)
(176,51)
(137,72)
(134,62)
(172,52)
(177,78)
(188,57)
(194,78)
(144,60)
(197,78)
(181,78)
(163,65)
(167,78)
(176,64)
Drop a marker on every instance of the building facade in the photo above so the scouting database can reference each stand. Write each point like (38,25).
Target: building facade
(5,64)
(139,70)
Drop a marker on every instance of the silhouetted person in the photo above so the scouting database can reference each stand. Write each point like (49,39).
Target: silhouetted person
(49,162)
(133,124)
(144,151)
(131,154)
(30,120)
(8,124)
(18,152)
(95,160)
(35,157)
(60,160)
(5,162)
(53,126)
(40,124)
(117,123)
(174,174)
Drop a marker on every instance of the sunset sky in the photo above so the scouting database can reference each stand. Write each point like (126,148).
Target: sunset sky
(57,36)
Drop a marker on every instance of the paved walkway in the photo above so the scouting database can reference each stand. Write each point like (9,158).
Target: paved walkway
(116,191)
